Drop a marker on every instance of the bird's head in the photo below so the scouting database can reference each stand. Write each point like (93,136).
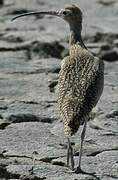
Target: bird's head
(71,14)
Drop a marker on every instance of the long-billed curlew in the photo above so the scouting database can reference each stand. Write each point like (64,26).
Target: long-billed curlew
(81,80)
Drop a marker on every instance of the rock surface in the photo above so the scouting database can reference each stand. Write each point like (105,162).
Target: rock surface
(32,142)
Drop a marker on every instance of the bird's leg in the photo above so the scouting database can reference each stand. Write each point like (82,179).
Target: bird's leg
(78,170)
(70,155)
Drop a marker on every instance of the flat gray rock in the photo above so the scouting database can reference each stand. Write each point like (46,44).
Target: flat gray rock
(32,141)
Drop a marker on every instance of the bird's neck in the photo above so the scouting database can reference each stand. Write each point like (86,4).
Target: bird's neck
(75,36)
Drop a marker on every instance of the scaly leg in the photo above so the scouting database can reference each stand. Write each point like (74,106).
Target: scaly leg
(70,155)
(78,170)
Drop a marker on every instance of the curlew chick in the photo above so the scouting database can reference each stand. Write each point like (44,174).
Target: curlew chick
(81,80)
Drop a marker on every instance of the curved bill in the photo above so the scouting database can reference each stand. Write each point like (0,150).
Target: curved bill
(53,13)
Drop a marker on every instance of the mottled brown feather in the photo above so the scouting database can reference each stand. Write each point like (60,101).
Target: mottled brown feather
(80,86)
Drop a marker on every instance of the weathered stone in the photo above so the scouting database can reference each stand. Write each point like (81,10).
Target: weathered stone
(3,124)
(110,55)
(12,38)
(45,50)
(116,42)
(18,118)
(106,3)
(52,86)
(33,149)
(7,175)
(113,114)
(105,47)
(1,2)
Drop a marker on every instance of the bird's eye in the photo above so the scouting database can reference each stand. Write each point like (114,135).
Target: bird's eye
(65,13)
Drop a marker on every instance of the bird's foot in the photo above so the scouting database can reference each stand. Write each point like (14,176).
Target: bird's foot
(71,167)
(79,170)
(31,171)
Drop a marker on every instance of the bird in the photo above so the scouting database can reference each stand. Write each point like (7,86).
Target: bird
(80,83)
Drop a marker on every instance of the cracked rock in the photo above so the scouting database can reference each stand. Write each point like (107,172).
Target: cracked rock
(18,118)
(45,50)
(32,140)
(113,114)
(110,55)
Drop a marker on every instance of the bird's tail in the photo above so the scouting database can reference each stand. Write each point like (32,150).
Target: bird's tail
(71,127)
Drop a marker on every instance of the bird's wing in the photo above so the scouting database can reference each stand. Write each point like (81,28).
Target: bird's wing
(93,88)
(77,75)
